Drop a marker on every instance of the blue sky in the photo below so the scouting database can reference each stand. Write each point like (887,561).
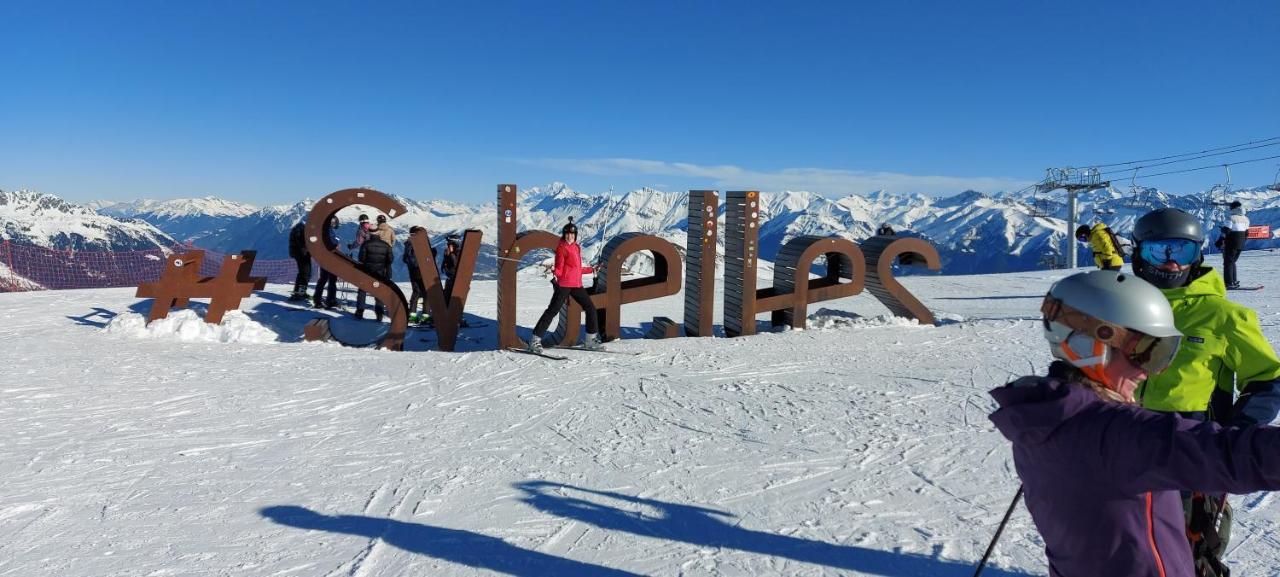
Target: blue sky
(270,102)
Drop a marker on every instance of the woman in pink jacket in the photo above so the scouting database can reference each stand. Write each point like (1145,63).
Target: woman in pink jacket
(568,273)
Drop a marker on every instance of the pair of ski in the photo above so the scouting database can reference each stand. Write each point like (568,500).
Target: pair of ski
(547,355)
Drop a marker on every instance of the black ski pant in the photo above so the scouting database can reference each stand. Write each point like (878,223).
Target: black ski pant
(419,291)
(562,294)
(304,275)
(1229,257)
(330,280)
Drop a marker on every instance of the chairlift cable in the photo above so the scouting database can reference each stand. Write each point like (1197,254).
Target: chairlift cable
(1274,138)
(1228,164)
(1189,159)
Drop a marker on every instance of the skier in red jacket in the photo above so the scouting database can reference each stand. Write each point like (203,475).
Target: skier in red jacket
(568,273)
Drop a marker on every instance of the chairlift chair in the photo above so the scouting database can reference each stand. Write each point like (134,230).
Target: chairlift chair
(1216,201)
(1138,195)
(1276,185)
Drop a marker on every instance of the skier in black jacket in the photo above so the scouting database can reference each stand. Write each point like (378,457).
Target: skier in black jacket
(375,258)
(449,265)
(302,257)
(410,259)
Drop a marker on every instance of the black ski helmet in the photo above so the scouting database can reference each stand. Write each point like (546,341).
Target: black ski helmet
(1160,224)
(1167,223)
(1082,231)
(569,228)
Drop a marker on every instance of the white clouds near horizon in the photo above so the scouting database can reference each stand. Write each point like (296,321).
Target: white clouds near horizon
(821,180)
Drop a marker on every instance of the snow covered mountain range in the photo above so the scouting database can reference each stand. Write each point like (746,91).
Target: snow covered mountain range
(45,220)
(974,232)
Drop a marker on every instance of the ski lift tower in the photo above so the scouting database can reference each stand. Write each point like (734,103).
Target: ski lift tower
(1072,180)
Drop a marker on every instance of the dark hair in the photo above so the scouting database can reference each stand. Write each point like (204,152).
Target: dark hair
(364,217)
(382,218)
(1234,204)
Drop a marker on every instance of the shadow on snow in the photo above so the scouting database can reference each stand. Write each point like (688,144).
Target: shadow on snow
(454,545)
(712,528)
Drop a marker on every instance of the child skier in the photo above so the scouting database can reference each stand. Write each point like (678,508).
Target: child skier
(1102,476)
(568,273)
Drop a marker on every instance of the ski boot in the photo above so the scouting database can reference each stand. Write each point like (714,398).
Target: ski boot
(535,345)
(592,342)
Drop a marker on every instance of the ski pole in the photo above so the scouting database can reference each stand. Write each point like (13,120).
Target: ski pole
(999,530)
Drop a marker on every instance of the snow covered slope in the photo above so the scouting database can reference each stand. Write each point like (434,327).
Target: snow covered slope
(45,220)
(862,448)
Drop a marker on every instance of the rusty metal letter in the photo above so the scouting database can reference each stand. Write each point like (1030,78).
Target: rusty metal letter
(346,269)
(700,263)
(741,240)
(665,281)
(793,290)
(446,310)
(180,282)
(512,248)
(881,252)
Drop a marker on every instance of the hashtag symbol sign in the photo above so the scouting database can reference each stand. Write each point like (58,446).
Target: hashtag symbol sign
(181,281)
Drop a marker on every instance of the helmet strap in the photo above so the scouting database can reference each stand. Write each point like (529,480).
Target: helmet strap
(1092,361)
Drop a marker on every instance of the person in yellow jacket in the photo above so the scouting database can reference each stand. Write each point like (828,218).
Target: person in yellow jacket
(1223,351)
(1105,252)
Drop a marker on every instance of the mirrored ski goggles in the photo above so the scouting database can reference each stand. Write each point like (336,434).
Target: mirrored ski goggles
(1177,250)
(1152,354)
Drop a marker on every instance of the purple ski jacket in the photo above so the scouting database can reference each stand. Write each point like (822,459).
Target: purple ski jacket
(1102,479)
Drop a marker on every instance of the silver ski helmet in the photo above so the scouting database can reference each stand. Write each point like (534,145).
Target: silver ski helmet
(1091,316)
(1157,236)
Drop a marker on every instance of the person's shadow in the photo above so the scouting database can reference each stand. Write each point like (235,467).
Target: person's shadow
(711,528)
(457,546)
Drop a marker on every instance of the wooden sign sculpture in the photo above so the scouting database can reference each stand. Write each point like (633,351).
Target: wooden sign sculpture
(793,290)
(849,266)
(181,281)
(339,264)
(512,249)
(881,252)
(700,253)
(446,309)
(613,292)
(741,240)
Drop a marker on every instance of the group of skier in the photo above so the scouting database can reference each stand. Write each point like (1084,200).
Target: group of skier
(1109,249)
(1129,445)
(373,249)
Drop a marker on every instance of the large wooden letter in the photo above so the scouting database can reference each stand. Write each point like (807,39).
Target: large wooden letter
(881,252)
(741,237)
(346,269)
(664,282)
(180,282)
(512,248)
(793,291)
(446,310)
(700,264)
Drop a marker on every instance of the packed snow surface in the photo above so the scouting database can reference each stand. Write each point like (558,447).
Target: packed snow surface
(858,447)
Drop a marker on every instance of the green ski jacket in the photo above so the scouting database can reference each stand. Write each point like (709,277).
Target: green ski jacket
(1223,349)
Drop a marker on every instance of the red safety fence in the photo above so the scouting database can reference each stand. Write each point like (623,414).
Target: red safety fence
(26,267)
